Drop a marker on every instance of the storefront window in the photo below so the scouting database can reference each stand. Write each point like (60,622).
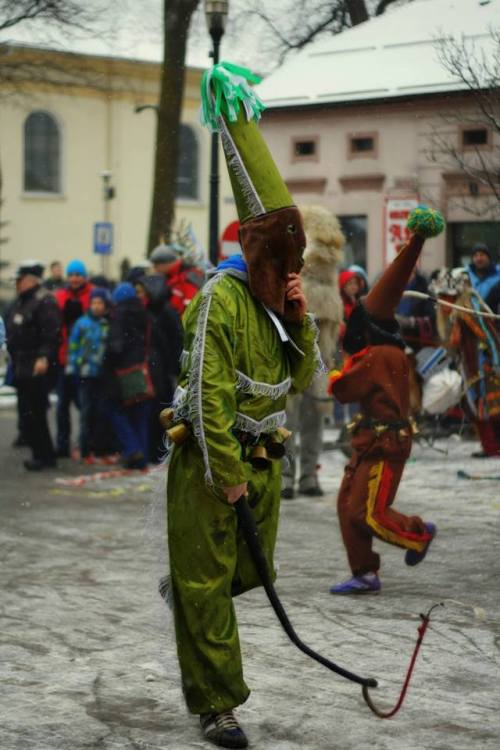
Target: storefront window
(464,235)
(354,228)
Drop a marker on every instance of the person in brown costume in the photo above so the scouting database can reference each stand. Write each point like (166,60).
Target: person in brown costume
(376,374)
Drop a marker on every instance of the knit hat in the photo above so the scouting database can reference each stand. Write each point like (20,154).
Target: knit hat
(165,254)
(271,232)
(383,298)
(345,276)
(136,273)
(359,271)
(123,292)
(481,247)
(29,268)
(100,292)
(76,266)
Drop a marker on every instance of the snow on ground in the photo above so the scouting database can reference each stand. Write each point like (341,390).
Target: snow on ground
(87,656)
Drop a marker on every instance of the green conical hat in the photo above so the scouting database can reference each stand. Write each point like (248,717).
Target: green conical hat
(232,108)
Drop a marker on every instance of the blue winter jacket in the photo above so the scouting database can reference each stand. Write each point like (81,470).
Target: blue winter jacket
(86,346)
(484,284)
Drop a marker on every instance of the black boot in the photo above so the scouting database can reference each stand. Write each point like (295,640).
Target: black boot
(36,464)
(223,729)
(19,442)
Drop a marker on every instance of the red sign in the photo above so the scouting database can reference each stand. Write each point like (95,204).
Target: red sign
(230,244)
(397,211)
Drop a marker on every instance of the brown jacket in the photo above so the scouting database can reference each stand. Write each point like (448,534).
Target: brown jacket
(377,377)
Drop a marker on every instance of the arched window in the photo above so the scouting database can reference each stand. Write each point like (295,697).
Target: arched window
(42,154)
(187,170)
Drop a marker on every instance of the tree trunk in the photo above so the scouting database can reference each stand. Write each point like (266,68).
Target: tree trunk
(177,16)
(357,10)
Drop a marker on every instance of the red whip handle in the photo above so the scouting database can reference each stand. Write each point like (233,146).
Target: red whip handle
(389,714)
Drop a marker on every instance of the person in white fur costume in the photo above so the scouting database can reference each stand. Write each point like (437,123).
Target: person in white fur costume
(320,282)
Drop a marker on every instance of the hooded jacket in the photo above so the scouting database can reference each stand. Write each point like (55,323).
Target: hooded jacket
(484,283)
(87,345)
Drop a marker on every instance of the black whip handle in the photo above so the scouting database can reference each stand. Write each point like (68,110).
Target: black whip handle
(249,528)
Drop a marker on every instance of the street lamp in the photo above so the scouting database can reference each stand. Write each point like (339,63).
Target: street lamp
(216,15)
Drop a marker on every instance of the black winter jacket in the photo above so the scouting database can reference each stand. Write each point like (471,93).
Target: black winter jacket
(33,330)
(166,338)
(129,334)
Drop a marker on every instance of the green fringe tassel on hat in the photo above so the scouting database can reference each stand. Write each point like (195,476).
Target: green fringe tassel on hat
(224,88)
(231,107)
(425,222)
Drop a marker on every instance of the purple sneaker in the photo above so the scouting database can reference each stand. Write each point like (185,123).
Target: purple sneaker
(367,584)
(413,557)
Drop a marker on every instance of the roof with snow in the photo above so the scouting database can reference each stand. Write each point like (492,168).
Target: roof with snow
(392,55)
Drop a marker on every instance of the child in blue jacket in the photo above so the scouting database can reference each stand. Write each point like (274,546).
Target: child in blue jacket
(86,352)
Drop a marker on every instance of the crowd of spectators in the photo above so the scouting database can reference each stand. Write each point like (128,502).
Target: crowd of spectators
(108,352)
(112,352)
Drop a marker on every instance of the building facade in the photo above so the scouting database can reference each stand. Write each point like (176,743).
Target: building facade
(370,122)
(64,142)
(371,163)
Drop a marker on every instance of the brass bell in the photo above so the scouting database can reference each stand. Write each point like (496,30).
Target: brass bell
(166,417)
(259,457)
(284,434)
(276,443)
(275,449)
(179,433)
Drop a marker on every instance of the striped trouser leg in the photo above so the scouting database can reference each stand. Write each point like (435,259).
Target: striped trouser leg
(365,510)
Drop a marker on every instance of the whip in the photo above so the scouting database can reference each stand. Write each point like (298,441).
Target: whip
(248,527)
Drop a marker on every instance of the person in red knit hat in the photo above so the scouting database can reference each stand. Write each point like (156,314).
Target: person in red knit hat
(376,375)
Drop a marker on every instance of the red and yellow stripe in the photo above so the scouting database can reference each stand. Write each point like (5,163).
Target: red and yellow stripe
(379,487)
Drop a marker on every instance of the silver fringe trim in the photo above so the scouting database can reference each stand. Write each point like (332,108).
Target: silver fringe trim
(194,395)
(321,368)
(180,404)
(266,425)
(184,360)
(237,165)
(256,388)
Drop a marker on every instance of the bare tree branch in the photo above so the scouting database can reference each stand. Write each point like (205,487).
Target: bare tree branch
(291,26)
(478,70)
(62,13)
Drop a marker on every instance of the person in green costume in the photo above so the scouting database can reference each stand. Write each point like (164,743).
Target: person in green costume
(249,341)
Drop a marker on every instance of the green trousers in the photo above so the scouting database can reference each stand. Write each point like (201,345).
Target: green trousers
(209,564)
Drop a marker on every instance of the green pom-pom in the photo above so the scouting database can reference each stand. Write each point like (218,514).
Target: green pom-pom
(426,222)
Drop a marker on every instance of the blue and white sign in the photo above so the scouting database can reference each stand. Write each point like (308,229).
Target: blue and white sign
(103,238)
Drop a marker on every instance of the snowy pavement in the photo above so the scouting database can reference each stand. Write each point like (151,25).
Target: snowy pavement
(87,657)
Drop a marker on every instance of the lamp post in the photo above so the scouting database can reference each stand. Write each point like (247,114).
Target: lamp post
(108,193)
(215,14)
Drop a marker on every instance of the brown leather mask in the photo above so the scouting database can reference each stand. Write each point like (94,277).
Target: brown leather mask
(273,245)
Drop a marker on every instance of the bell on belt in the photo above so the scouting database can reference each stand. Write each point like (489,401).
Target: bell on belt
(259,457)
(166,417)
(179,433)
(276,444)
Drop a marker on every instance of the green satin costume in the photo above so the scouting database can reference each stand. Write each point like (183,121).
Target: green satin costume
(236,373)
